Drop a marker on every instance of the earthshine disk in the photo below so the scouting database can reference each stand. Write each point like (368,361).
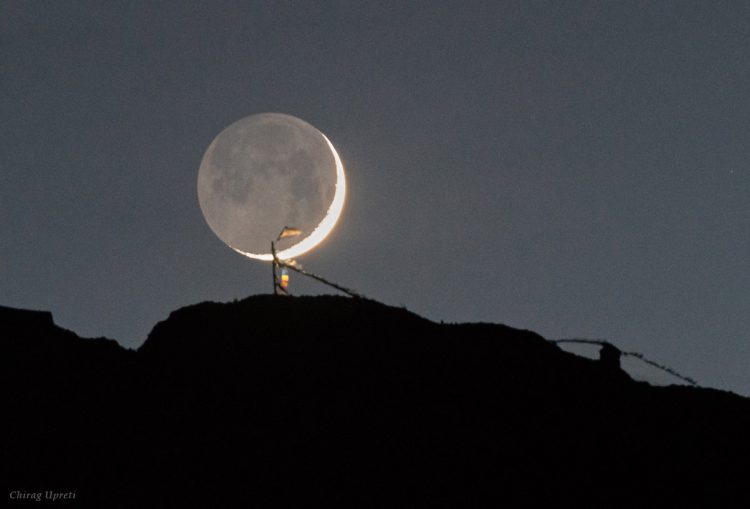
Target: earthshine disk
(265,172)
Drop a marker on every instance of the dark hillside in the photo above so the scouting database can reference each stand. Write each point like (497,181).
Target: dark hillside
(337,402)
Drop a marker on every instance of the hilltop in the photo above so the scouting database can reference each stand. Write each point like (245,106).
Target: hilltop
(330,401)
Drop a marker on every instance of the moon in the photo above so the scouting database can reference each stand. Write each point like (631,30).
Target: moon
(265,172)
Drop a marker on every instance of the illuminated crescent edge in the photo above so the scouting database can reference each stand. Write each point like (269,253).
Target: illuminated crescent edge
(326,225)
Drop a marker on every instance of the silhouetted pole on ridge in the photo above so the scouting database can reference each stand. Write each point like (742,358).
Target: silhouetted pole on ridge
(278,289)
(274,268)
(287,231)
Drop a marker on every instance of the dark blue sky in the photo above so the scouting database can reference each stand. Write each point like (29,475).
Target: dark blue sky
(574,168)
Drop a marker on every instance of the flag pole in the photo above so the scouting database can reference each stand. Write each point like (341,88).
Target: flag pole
(278,289)
(274,266)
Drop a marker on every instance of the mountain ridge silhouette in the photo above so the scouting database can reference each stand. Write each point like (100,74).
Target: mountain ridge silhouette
(287,401)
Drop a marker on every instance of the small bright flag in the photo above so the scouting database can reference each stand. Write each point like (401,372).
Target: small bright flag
(289,232)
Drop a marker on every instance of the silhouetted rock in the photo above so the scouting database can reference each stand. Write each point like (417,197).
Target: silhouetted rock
(609,357)
(337,402)
(25,319)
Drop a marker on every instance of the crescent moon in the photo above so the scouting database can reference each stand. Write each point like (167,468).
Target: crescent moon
(326,225)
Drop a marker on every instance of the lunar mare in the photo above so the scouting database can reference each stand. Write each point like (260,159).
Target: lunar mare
(265,172)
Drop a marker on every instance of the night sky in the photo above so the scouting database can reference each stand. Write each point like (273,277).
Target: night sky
(579,169)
